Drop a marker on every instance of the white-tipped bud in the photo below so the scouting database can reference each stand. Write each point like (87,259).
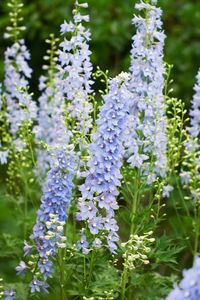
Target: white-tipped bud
(83,5)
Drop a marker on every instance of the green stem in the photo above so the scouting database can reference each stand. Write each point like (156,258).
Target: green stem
(123,283)
(182,197)
(132,229)
(134,206)
(62,292)
(84,268)
(25,216)
(91,268)
(62,268)
(196,242)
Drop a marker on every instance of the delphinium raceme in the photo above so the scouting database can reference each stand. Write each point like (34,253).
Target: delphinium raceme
(50,132)
(21,109)
(146,130)
(48,232)
(75,72)
(189,287)
(190,173)
(194,112)
(67,89)
(97,203)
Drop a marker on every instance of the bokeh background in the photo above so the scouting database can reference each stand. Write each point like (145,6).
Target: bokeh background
(111,35)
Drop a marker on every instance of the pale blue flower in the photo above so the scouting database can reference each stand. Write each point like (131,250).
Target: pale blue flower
(20,106)
(37,285)
(146,127)
(82,243)
(21,268)
(4,156)
(167,190)
(194,128)
(72,82)
(10,294)
(75,72)
(27,248)
(52,214)
(97,203)
(189,286)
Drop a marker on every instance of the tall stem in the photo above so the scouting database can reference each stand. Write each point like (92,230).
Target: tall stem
(197,229)
(62,268)
(91,267)
(124,276)
(134,206)
(62,293)
(123,283)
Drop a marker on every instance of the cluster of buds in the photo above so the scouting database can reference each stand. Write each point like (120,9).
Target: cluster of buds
(107,296)
(1,288)
(137,249)
(14,30)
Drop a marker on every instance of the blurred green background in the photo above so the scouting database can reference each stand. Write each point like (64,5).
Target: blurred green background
(111,35)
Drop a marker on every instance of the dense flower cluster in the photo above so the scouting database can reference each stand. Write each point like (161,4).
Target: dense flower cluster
(146,138)
(75,71)
(195,110)
(20,106)
(51,128)
(190,174)
(48,232)
(70,82)
(98,201)
(137,249)
(189,287)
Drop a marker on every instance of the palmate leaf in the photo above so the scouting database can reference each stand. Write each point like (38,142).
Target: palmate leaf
(80,281)
(151,285)
(10,246)
(165,253)
(106,280)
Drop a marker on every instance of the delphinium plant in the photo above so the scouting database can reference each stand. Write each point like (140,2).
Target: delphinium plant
(106,165)
(188,288)
(190,174)
(50,103)
(18,109)
(18,112)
